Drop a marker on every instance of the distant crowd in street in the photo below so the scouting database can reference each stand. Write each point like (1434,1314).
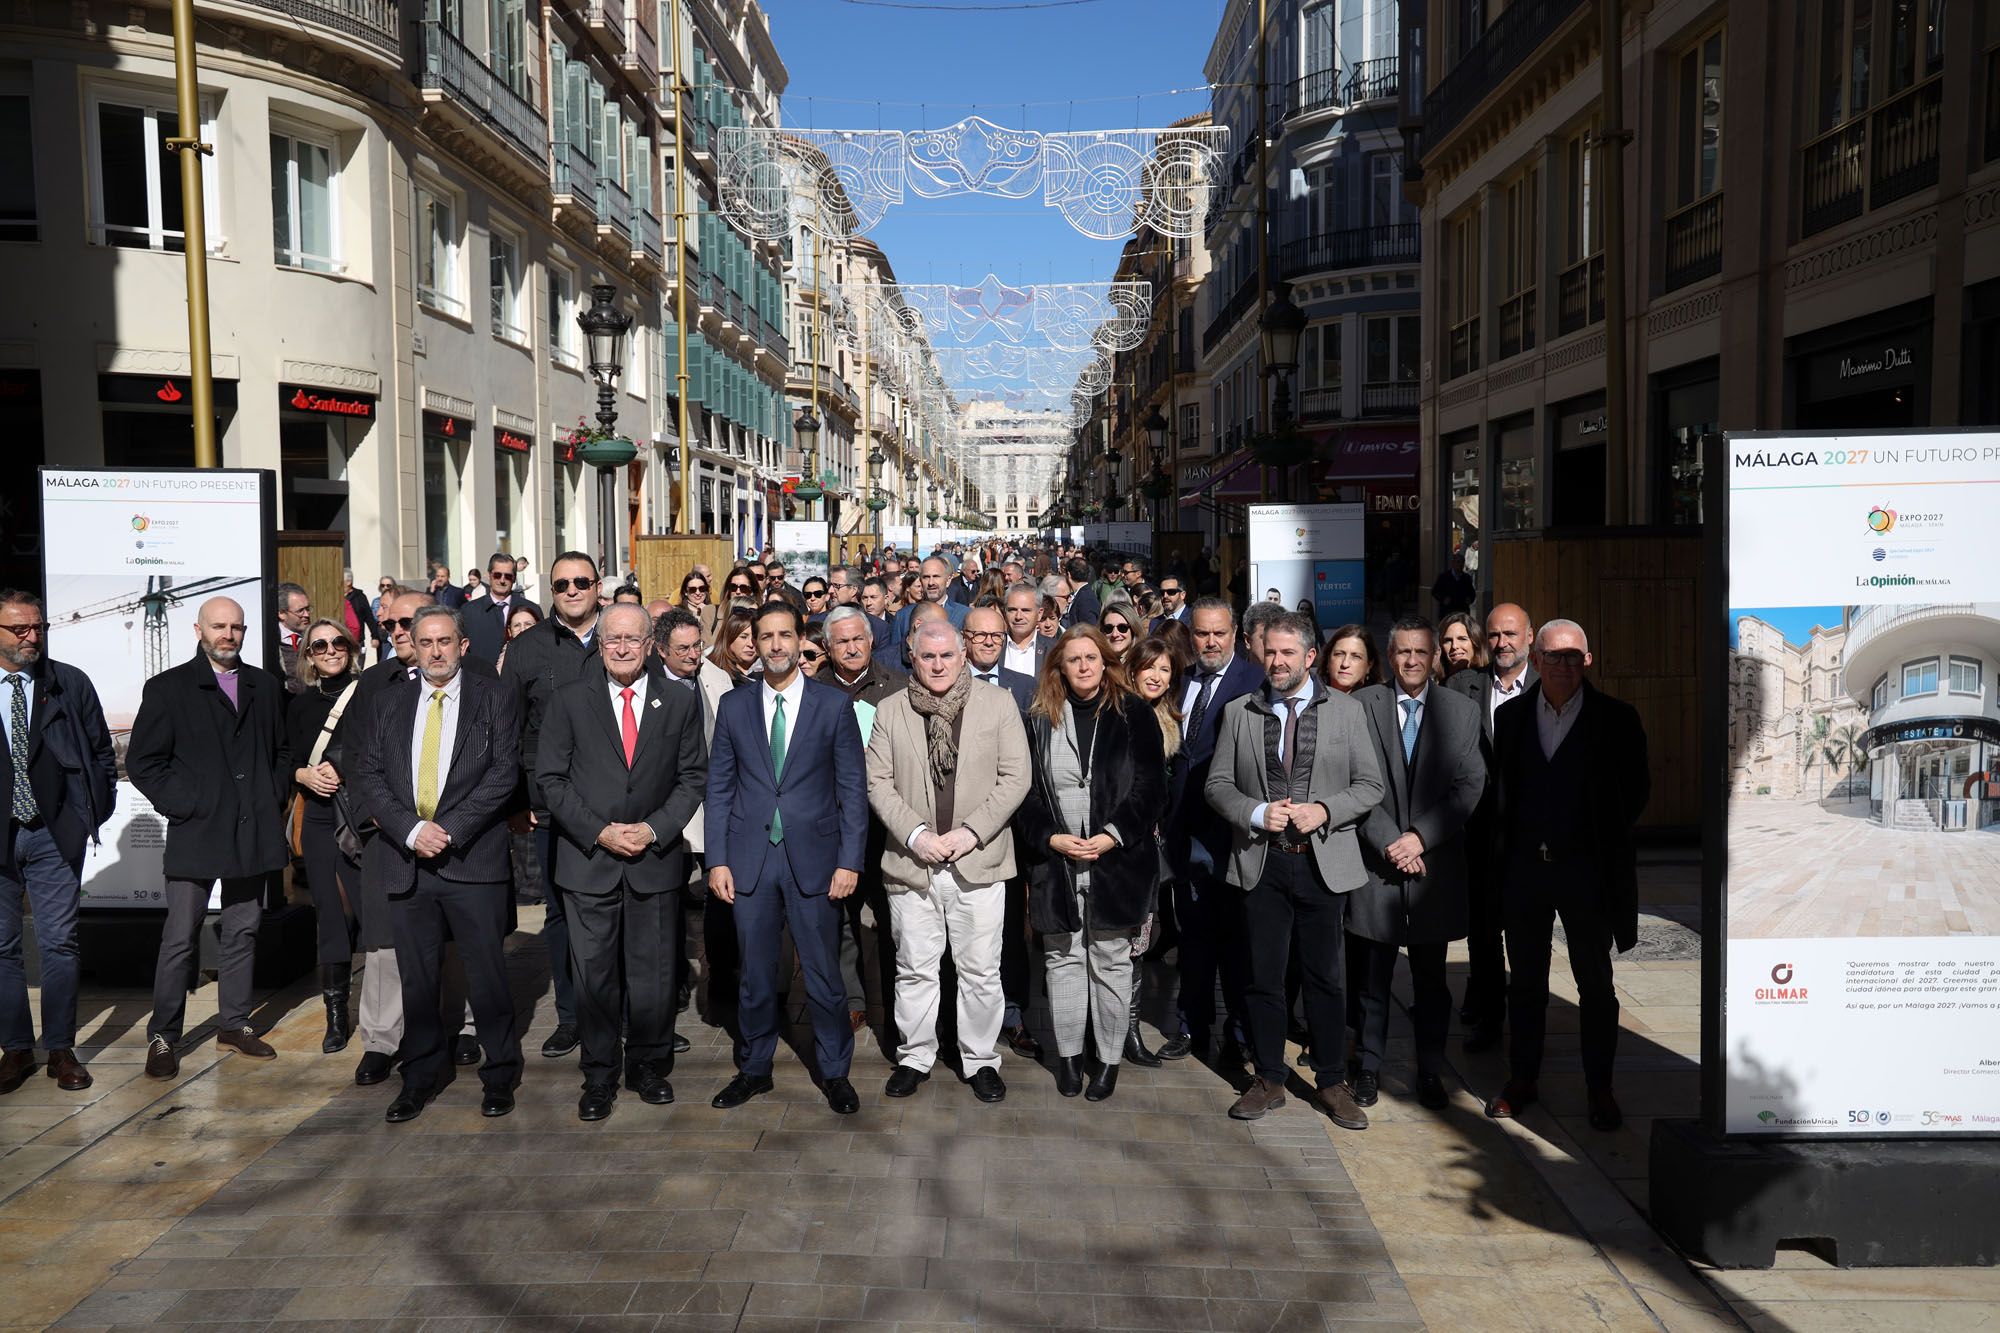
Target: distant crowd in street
(941,779)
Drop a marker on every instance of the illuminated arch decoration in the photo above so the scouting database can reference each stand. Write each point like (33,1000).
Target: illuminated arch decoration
(1072,316)
(1106,183)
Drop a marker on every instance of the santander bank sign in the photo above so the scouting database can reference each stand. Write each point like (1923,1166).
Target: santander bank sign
(329,404)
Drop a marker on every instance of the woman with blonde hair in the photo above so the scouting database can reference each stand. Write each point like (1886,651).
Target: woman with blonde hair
(316,725)
(1098,783)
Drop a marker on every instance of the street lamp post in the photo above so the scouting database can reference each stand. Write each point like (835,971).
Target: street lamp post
(877,501)
(604,328)
(1157,484)
(1282,326)
(806,427)
(910,506)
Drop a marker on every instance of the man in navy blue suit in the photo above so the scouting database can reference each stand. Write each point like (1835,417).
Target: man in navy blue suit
(985,635)
(1205,906)
(786,832)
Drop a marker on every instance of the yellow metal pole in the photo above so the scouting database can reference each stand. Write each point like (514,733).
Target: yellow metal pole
(187,142)
(680,274)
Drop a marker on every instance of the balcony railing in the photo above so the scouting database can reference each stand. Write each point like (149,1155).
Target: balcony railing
(647,244)
(575,174)
(1872,160)
(1694,242)
(372,21)
(1993,104)
(614,206)
(1462,354)
(1514,36)
(1580,295)
(1239,305)
(1357,247)
(1517,324)
(642,50)
(1319,404)
(1389,398)
(607,19)
(1369,81)
(450,67)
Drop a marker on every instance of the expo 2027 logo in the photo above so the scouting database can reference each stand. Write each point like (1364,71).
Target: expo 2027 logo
(1881,520)
(140,522)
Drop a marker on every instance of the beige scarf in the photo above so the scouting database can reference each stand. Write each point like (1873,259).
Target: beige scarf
(940,713)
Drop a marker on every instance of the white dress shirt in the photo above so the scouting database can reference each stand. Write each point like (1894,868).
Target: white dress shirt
(638,688)
(1423,699)
(1304,694)
(1197,682)
(7,701)
(1019,658)
(795,694)
(1500,694)
(453,689)
(1553,724)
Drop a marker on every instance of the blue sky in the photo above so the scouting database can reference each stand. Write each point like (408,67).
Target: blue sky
(1081,66)
(1794,622)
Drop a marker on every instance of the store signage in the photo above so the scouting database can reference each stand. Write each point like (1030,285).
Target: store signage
(175,391)
(1375,451)
(1586,426)
(301,399)
(20,386)
(1934,729)
(1888,358)
(452,428)
(565,452)
(508,440)
(1394,498)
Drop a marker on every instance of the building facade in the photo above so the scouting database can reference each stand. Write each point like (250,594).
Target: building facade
(1794,730)
(1016,457)
(1924,674)
(1808,243)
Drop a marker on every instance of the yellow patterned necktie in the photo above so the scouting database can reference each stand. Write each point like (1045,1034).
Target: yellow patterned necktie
(427,766)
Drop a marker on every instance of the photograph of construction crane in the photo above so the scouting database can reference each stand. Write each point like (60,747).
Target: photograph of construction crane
(131,629)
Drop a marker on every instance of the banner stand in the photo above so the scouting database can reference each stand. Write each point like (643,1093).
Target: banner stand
(1731,1201)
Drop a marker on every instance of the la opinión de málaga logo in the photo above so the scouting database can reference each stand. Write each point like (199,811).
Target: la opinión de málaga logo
(1881,519)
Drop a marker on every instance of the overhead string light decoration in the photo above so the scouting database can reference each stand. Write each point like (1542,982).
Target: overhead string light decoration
(1106,183)
(1072,316)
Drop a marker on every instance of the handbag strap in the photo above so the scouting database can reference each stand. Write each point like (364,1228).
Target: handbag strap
(332,721)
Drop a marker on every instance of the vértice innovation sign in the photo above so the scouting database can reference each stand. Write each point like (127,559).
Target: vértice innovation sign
(1861,902)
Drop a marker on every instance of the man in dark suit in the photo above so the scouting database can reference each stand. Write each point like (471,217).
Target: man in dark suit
(965,587)
(1173,603)
(787,815)
(1431,749)
(436,775)
(1206,909)
(486,617)
(1507,674)
(443,592)
(866,681)
(294,608)
(208,749)
(60,776)
(1025,646)
(622,768)
(1084,603)
(934,576)
(1571,767)
(874,605)
(985,634)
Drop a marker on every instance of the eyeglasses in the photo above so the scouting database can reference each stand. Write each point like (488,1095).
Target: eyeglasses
(1569,658)
(694,587)
(626,640)
(1170,592)
(815,592)
(985,635)
(738,587)
(582,583)
(391,622)
(1114,628)
(500,578)
(320,647)
(812,655)
(23,631)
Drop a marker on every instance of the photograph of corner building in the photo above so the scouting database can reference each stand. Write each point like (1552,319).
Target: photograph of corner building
(1864,770)
(1810,198)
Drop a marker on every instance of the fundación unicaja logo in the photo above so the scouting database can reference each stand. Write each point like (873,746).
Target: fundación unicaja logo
(1881,519)
(1767,1116)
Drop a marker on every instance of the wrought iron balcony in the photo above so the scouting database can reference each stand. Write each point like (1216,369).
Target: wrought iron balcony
(607,20)
(374,22)
(1356,247)
(1392,398)
(642,51)
(1514,36)
(450,67)
(1694,242)
(1239,305)
(1872,160)
(1517,324)
(575,175)
(1320,404)
(1580,295)
(1369,81)
(647,245)
(1463,354)
(614,206)
(1993,104)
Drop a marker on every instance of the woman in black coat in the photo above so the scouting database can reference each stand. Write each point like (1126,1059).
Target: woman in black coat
(327,670)
(1098,791)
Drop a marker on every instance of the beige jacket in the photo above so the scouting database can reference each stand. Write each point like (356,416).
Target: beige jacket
(991,782)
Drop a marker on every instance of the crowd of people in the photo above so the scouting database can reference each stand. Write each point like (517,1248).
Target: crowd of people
(937,777)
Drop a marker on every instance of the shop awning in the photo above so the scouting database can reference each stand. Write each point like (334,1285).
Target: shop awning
(1373,453)
(1232,479)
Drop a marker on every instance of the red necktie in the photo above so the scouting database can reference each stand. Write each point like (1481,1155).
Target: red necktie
(628,726)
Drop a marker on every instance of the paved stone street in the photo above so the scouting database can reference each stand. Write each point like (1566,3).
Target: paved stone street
(275,1195)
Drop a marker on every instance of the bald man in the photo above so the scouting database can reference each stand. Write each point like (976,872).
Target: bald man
(208,750)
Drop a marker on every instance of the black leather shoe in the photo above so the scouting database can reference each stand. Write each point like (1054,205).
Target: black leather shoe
(840,1095)
(374,1067)
(595,1104)
(987,1087)
(464,1050)
(1430,1092)
(1022,1042)
(1604,1113)
(1136,1052)
(1481,1039)
(1069,1075)
(1367,1086)
(560,1043)
(496,1103)
(1176,1048)
(740,1090)
(409,1104)
(648,1078)
(904,1081)
(682,1045)
(1103,1084)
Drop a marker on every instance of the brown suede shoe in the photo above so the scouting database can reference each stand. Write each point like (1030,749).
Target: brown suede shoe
(15,1066)
(245,1041)
(1342,1108)
(1262,1095)
(161,1062)
(68,1071)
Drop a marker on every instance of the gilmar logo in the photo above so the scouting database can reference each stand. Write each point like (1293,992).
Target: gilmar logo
(1781,991)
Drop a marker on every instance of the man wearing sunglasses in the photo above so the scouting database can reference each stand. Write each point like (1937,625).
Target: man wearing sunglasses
(60,776)
(486,617)
(541,660)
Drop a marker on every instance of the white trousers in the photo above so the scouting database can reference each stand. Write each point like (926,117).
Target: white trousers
(380,1019)
(972,918)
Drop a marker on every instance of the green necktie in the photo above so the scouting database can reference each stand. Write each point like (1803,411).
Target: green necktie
(778,766)
(427,766)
